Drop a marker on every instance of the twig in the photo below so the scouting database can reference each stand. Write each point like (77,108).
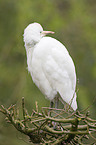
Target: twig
(23,108)
(65,132)
(88,106)
(36,106)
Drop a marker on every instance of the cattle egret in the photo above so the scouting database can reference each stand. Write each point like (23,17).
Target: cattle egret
(50,65)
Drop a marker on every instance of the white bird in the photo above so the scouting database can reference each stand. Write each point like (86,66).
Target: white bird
(50,65)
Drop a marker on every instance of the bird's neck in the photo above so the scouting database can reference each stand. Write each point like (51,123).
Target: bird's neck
(29,52)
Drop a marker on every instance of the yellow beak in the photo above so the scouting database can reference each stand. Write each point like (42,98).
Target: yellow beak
(47,32)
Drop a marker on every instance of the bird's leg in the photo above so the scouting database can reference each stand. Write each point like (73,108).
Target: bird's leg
(56,102)
(50,111)
(56,106)
(51,104)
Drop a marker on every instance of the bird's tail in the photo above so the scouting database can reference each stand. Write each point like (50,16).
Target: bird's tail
(74,103)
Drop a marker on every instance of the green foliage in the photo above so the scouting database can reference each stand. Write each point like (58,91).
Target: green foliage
(74,23)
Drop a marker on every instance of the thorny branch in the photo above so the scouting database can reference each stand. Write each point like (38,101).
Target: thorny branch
(50,126)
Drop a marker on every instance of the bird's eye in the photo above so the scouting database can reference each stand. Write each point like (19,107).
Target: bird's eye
(40,32)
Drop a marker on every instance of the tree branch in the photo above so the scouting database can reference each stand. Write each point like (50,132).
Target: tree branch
(40,126)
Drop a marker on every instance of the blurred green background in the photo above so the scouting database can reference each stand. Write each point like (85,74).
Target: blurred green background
(74,24)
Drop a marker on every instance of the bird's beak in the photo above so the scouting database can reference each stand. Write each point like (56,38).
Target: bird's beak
(47,32)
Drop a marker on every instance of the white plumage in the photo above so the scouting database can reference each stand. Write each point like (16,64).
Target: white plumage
(50,64)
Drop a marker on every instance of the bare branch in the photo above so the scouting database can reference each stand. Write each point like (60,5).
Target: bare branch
(70,127)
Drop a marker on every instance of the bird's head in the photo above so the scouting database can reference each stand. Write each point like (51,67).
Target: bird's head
(33,33)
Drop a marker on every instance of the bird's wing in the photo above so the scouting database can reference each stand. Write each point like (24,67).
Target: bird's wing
(65,62)
(57,68)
